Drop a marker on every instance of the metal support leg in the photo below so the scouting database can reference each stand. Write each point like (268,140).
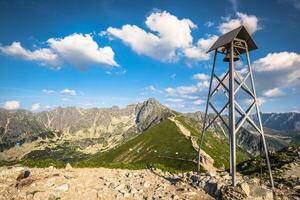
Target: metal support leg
(259,120)
(232,117)
(206,110)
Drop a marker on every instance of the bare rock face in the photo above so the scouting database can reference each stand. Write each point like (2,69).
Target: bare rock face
(90,130)
(150,112)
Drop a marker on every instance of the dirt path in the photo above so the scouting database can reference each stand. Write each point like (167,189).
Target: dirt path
(95,183)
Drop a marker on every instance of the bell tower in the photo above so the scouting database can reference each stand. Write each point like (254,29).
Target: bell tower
(237,85)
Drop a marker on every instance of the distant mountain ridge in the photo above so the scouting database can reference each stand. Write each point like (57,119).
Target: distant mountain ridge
(289,121)
(112,125)
(76,133)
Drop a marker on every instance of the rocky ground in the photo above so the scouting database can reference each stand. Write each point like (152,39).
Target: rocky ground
(92,183)
(19,182)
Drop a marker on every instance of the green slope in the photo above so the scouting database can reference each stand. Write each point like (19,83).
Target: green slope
(162,145)
(166,147)
(214,144)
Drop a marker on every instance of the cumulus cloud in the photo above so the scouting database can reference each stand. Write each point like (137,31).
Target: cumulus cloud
(199,102)
(275,92)
(68,92)
(198,52)
(11,105)
(277,70)
(44,56)
(153,89)
(201,77)
(48,91)
(168,35)
(78,49)
(249,21)
(174,100)
(181,90)
(82,50)
(35,106)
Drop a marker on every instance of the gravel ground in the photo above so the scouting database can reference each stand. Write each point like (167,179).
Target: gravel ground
(94,183)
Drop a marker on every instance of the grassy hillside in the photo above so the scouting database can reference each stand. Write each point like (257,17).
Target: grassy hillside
(162,145)
(166,147)
(214,144)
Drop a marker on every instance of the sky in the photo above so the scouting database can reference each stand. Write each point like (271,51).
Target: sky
(104,53)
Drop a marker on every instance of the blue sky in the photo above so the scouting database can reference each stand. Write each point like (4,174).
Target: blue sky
(104,53)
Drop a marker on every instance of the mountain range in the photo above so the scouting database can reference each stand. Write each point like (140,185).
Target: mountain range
(146,133)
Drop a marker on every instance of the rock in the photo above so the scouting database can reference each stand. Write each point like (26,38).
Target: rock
(24,182)
(23,174)
(260,191)
(297,187)
(119,187)
(211,187)
(52,197)
(174,196)
(194,178)
(245,187)
(210,174)
(133,191)
(268,195)
(69,167)
(231,193)
(51,168)
(146,184)
(63,187)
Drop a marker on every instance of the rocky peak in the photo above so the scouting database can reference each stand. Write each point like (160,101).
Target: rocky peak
(150,112)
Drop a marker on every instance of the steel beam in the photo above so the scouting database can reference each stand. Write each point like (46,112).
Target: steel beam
(206,110)
(232,116)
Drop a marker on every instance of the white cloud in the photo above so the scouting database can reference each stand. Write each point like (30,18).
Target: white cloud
(201,77)
(209,24)
(234,4)
(82,50)
(44,56)
(249,21)
(78,49)
(66,99)
(11,105)
(277,70)
(275,92)
(169,34)
(153,89)
(35,106)
(294,3)
(181,90)
(199,51)
(203,85)
(68,92)
(199,102)
(174,100)
(261,100)
(48,91)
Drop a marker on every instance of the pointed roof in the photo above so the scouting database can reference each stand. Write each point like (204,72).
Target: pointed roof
(240,33)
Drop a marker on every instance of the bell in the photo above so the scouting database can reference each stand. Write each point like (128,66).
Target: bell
(227,57)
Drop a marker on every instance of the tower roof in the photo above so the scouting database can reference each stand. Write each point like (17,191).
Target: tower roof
(240,33)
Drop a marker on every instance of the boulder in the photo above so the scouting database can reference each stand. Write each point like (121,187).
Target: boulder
(245,187)
(23,174)
(69,167)
(63,187)
(211,187)
(24,182)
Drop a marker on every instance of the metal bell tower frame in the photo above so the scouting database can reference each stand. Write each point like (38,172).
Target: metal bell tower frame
(233,44)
